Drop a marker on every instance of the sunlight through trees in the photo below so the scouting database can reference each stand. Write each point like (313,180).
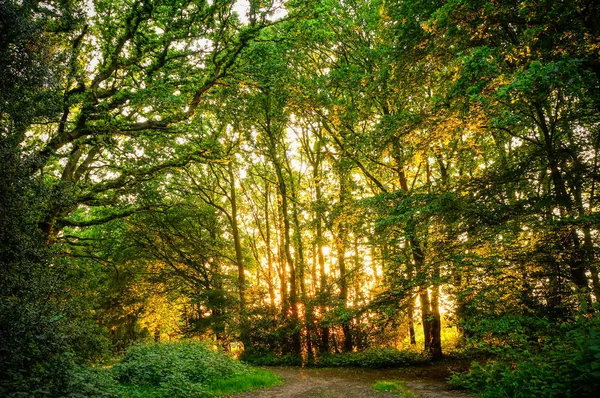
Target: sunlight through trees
(300,178)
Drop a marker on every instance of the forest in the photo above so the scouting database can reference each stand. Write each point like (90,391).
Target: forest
(319,183)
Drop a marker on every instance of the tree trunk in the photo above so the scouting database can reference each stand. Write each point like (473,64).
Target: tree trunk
(287,242)
(430,312)
(436,324)
(299,260)
(426,319)
(569,238)
(341,242)
(411,323)
(237,243)
(268,244)
(324,330)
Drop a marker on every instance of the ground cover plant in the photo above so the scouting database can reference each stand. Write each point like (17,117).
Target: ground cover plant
(561,363)
(394,386)
(185,369)
(161,370)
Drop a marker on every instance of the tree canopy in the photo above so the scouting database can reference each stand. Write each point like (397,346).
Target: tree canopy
(301,179)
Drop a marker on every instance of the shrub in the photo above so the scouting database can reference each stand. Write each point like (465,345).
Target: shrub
(184,369)
(262,357)
(377,358)
(373,358)
(178,386)
(89,382)
(155,363)
(564,365)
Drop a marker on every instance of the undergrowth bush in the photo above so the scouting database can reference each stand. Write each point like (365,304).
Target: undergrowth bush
(86,382)
(154,363)
(373,358)
(566,364)
(263,357)
(184,370)
(377,358)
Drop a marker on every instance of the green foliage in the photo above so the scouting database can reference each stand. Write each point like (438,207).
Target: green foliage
(565,363)
(474,124)
(245,382)
(373,358)
(267,358)
(86,381)
(154,363)
(184,369)
(38,316)
(394,386)
(162,260)
(270,338)
(178,386)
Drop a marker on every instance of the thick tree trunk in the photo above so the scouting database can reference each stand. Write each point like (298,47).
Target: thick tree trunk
(430,312)
(436,324)
(426,319)
(324,344)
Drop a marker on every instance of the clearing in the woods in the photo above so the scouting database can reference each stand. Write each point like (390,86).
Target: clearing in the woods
(425,382)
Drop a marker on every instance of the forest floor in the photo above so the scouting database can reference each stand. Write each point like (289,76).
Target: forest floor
(425,381)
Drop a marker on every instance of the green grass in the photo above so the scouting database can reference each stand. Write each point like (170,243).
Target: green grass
(394,386)
(245,382)
(255,379)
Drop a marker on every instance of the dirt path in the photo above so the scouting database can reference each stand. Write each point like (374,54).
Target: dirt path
(353,383)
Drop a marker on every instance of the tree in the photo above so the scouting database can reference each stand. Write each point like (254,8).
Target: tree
(515,64)
(37,343)
(132,86)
